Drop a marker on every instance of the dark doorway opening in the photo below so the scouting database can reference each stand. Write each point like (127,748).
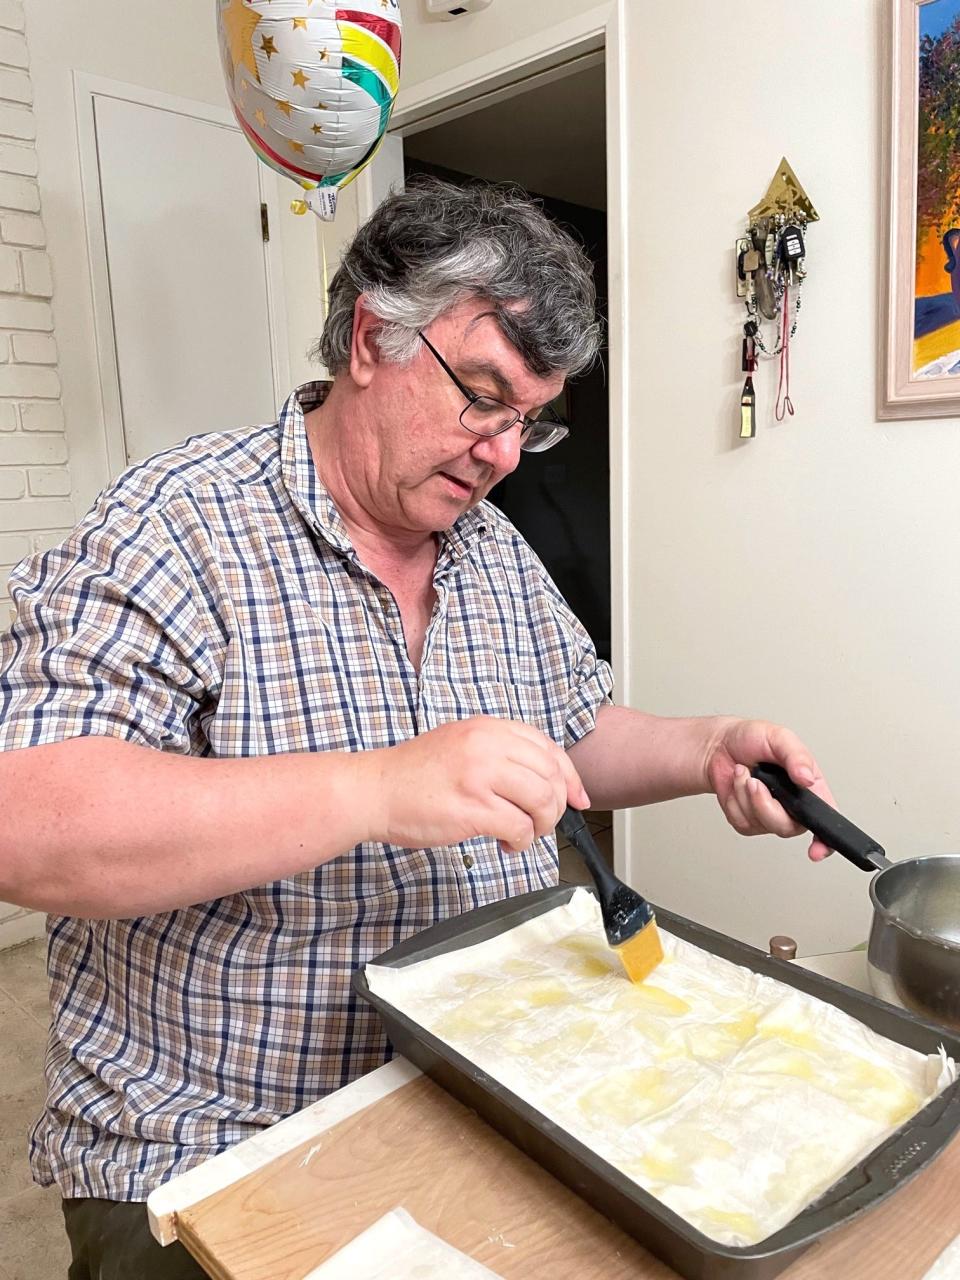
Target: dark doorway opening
(560,500)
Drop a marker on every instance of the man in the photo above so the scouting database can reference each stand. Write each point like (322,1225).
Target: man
(290,694)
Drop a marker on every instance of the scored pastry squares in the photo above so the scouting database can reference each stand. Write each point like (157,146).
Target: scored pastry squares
(731,1097)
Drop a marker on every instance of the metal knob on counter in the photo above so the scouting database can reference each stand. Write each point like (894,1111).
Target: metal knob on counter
(782,947)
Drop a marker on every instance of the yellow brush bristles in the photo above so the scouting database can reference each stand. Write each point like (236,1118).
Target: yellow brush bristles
(642,953)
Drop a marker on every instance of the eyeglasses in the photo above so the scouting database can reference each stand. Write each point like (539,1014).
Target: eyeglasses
(485,416)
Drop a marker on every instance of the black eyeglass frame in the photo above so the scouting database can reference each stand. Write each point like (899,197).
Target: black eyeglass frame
(530,425)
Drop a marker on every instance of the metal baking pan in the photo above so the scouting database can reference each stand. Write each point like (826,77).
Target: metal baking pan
(658,1228)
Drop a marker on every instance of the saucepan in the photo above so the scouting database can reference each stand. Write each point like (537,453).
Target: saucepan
(913,955)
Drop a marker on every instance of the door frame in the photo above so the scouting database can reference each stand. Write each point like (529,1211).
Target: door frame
(593,37)
(87,88)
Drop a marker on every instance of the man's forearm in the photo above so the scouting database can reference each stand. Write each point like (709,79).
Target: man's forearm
(633,758)
(95,827)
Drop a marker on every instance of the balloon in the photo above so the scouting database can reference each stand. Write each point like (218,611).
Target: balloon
(312,84)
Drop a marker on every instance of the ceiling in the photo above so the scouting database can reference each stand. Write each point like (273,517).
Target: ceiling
(551,140)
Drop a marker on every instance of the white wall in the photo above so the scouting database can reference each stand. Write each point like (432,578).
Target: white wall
(34,482)
(434,46)
(808,576)
(170,47)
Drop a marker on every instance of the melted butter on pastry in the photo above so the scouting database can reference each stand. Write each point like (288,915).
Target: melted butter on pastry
(733,1098)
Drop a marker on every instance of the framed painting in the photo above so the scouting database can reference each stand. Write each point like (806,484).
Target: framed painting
(920,304)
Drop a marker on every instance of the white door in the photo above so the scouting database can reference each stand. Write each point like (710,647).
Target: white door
(188,275)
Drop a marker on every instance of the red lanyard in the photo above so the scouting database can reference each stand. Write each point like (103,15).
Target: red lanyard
(786,405)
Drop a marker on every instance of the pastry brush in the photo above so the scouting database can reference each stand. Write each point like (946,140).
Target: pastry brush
(627,918)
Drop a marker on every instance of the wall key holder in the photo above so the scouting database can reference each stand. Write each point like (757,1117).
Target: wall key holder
(771,269)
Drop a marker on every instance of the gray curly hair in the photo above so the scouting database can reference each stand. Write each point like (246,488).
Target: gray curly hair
(429,247)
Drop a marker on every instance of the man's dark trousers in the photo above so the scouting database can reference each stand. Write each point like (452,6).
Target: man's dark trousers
(110,1240)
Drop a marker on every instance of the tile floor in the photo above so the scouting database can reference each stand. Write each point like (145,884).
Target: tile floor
(572,869)
(32,1243)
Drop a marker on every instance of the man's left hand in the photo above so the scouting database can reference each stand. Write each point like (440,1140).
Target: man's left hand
(748,805)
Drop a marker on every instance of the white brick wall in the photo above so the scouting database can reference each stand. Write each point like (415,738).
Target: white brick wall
(35,504)
(34,480)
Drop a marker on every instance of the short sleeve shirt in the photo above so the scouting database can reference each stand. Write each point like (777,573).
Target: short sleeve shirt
(211,604)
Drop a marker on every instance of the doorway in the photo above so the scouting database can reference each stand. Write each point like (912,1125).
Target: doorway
(560,501)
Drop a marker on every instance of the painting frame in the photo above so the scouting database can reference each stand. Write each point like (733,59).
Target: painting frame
(900,393)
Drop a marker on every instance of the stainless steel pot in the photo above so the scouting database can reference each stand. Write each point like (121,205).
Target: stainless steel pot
(913,955)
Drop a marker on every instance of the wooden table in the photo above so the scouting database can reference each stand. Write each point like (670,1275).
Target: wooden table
(274,1207)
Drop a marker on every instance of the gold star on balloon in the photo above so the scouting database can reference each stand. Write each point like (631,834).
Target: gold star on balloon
(260,118)
(239,24)
(297,146)
(284,107)
(268,47)
(324,55)
(299,79)
(317,128)
(321,106)
(299,22)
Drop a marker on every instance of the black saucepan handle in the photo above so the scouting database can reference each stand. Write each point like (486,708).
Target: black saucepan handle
(826,823)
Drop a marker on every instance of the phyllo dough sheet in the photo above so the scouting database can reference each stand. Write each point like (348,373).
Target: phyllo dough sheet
(731,1097)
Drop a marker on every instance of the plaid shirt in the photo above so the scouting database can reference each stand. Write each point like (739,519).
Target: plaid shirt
(211,604)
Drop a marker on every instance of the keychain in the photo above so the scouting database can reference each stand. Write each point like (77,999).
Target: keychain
(771,270)
(791,250)
(748,410)
(748,397)
(748,357)
(773,281)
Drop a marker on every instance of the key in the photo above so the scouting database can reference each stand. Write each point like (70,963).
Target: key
(791,246)
(766,298)
(791,250)
(748,351)
(748,410)
(743,246)
(748,260)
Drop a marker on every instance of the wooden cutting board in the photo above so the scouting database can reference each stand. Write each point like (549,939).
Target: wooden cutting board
(421,1149)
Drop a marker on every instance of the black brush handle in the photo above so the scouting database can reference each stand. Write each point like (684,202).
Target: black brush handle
(836,831)
(573,825)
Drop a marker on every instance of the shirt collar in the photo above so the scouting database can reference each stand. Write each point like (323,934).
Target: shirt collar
(313,500)
(305,487)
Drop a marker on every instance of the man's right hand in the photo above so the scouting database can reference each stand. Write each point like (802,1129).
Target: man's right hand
(477,777)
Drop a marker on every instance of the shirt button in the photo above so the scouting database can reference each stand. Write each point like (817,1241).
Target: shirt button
(467,861)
